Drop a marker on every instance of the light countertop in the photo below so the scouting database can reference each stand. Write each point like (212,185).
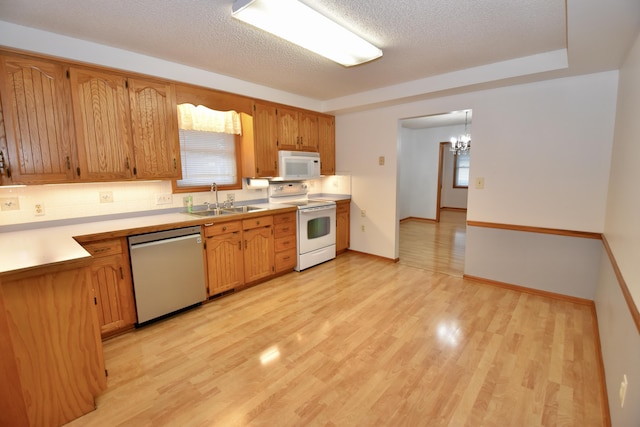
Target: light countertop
(46,246)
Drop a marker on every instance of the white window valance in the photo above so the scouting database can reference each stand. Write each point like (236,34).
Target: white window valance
(204,119)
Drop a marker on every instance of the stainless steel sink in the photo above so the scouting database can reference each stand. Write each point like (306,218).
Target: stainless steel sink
(241,209)
(228,211)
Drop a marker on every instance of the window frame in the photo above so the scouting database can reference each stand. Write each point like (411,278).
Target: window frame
(201,188)
(455,172)
(216,100)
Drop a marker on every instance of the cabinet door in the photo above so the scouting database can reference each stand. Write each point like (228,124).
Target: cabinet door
(327,144)
(342,226)
(224,262)
(258,253)
(308,128)
(265,123)
(288,133)
(35,101)
(154,130)
(114,294)
(101,113)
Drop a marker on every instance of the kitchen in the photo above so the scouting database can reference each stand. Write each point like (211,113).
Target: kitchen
(579,111)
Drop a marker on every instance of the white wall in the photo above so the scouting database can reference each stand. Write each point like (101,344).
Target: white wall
(543,149)
(620,339)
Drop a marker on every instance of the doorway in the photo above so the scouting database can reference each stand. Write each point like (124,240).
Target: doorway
(432,234)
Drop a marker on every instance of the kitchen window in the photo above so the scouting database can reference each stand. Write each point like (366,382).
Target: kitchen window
(209,149)
(461,170)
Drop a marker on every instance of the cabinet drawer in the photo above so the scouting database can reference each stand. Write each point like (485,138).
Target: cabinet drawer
(285,229)
(284,218)
(261,221)
(284,243)
(342,207)
(103,247)
(286,260)
(225,227)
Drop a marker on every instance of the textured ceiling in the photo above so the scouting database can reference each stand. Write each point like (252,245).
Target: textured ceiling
(421,39)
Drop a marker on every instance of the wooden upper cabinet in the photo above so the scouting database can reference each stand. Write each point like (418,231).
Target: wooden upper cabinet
(308,129)
(297,130)
(288,135)
(35,102)
(154,129)
(102,124)
(327,144)
(261,151)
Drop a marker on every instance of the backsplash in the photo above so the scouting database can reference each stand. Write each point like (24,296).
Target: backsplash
(67,201)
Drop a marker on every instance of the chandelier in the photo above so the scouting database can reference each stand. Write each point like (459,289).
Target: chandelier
(461,144)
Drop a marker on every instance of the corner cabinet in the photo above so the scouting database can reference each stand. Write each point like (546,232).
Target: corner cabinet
(101,117)
(154,128)
(37,115)
(223,248)
(343,219)
(112,286)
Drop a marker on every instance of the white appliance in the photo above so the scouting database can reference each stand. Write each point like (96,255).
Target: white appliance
(298,165)
(168,271)
(316,237)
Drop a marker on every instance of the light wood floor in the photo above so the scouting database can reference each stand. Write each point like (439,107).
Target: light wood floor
(437,246)
(359,341)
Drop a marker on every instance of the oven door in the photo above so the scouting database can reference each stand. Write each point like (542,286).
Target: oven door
(316,228)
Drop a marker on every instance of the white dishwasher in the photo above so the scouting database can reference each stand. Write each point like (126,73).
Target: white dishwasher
(168,271)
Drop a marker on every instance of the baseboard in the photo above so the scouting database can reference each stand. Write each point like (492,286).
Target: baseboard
(604,395)
(394,260)
(554,295)
(415,218)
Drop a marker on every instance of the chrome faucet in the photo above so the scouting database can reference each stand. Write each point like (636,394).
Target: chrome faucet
(214,188)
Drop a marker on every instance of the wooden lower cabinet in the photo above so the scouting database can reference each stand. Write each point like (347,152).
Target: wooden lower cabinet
(51,360)
(258,239)
(225,263)
(285,246)
(112,286)
(343,213)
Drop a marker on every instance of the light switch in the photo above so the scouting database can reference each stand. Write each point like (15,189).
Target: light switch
(381,160)
(479,183)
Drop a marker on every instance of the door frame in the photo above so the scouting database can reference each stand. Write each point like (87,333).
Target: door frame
(440,164)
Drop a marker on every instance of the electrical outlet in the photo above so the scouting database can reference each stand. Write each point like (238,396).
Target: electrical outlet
(479,183)
(106,196)
(10,204)
(38,209)
(164,199)
(623,390)
(381,160)
(363,213)
(362,227)
(231,197)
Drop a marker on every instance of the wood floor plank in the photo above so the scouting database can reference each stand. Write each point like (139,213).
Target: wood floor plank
(358,341)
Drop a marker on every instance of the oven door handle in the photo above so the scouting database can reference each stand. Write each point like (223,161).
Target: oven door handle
(317,209)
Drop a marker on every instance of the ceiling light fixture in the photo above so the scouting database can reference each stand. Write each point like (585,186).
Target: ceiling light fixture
(301,25)
(462,143)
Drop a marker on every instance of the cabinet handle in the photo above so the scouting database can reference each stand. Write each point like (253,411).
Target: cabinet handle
(121,274)
(224,228)
(68,163)
(258,222)
(175,164)
(78,170)
(245,244)
(126,163)
(239,245)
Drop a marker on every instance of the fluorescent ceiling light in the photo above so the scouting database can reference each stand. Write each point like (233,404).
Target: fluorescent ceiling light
(299,24)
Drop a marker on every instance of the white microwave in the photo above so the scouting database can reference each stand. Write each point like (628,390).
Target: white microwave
(298,165)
